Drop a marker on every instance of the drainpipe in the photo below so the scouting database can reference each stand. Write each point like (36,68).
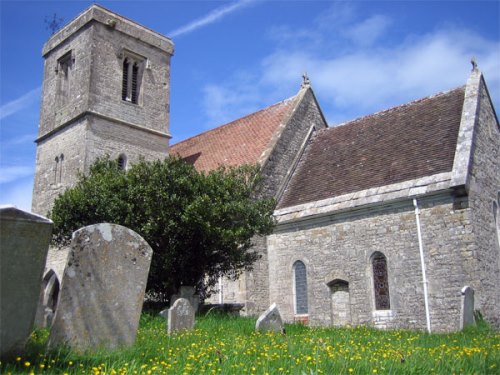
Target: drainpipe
(424,278)
(221,292)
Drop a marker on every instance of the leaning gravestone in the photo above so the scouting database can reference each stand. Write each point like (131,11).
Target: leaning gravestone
(467,308)
(180,316)
(270,320)
(24,239)
(102,289)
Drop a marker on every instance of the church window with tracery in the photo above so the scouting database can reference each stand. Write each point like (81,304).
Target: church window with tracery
(381,282)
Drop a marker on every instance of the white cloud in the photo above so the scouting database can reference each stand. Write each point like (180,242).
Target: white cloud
(361,79)
(20,103)
(368,31)
(9,174)
(211,17)
(18,194)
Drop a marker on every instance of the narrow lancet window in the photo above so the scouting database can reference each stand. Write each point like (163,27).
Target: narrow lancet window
(381,282)
(300,287)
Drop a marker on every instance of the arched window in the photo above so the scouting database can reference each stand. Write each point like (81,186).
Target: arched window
(380,282)
(56,168)
(300,287)
(122,162)
(61,159)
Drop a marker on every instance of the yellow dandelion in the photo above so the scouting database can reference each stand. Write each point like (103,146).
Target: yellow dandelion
(351,369)
(27,364)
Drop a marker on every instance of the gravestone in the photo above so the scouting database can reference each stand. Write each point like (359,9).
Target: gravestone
(187,292)
(467,307)
(49,296)
(24,239)
(102,289)
(270,320)
(180,316)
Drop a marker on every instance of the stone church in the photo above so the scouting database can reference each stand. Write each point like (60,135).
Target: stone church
(381,221)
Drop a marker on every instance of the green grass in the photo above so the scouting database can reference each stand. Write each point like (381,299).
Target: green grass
(226,345)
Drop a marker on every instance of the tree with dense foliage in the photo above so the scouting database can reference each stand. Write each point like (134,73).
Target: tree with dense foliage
(199,225)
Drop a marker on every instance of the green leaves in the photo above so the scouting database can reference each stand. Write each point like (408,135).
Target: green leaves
(200,225)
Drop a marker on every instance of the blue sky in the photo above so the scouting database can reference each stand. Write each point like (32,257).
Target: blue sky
(233,58)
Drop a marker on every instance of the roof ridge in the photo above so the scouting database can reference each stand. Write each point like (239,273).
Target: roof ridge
(236,120)
(385,111)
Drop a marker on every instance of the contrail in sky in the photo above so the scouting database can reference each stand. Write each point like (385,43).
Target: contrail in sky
(211,17)
(20,103)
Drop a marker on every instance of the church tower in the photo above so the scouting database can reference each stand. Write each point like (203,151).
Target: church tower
(106,91)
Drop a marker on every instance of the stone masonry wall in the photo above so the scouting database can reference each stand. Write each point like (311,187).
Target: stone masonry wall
(91,120)
(341,247)
(51,177)
(282,158)
(109,138)
(56,111)
(252,288)
(110,46)
(484,190)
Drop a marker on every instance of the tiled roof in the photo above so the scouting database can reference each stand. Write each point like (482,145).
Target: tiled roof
(403,143)
(239,142)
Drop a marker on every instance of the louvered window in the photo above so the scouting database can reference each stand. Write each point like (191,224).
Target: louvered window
(125,79)
(131,79)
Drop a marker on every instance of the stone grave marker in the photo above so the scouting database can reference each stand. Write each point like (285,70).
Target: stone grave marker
(180,316)
(102,289)
(270,320)
(47,302)
(187,292)
(467,307)
(24,239)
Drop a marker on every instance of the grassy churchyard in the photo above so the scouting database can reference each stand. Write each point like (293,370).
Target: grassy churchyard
(229,345)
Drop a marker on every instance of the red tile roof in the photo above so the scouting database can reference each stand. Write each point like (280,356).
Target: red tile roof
(239,142)
(407,142)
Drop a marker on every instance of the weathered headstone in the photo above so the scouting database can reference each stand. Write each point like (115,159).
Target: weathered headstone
(180,316)
(24,239)
(47,302)
(102,289)
(270,320)
(467,307)
(187,292)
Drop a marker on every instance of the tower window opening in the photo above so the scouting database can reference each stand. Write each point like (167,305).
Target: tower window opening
(132,69)
(122,162)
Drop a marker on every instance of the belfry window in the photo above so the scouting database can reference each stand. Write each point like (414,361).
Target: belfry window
(122,162)
(381,282)
(132,72)
(300,287)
